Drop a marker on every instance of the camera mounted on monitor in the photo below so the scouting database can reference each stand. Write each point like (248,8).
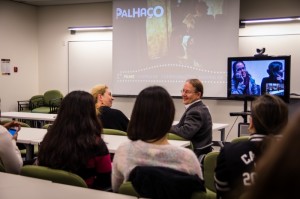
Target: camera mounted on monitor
(260,52)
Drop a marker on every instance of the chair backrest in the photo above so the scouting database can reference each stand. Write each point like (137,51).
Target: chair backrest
(114,132)
(209,165)
(46,126)
(172,136)
(36,101)
(200,195)
(127,189)
(54,175)
(240,139)
(51,95)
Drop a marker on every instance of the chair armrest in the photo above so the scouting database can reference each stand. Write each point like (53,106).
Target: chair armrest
(55,101)
(22,105)
(36,102)
(55,104)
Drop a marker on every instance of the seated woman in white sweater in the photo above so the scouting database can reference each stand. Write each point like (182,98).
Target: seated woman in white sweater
(10,155)
(151,120)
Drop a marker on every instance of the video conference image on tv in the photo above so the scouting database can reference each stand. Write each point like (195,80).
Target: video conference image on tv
(257,77)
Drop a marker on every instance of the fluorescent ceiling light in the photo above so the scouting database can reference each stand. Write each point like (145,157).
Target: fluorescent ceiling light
(89,28)
(270,20)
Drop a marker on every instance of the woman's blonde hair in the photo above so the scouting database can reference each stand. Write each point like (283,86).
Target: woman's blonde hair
(95,91)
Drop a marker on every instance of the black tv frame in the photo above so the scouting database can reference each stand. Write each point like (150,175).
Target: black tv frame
(245,98)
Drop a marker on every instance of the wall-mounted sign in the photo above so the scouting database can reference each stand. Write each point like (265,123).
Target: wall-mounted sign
(5,66)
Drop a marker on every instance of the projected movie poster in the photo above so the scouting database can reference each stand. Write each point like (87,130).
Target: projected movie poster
(165,42)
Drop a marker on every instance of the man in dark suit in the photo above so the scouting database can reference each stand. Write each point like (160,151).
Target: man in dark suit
(196,123)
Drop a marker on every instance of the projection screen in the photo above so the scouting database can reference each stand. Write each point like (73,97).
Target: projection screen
(165,42)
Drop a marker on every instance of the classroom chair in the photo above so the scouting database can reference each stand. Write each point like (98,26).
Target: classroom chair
(209,165)
(240,139)
(172,136)
(28,105)
(51,102)
(54,175)
(114,132)
(46,126)
(126,188)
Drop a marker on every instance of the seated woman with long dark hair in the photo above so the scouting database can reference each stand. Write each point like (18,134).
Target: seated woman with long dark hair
(73,143)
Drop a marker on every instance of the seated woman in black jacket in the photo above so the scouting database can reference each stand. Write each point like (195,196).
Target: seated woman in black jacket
(110,118)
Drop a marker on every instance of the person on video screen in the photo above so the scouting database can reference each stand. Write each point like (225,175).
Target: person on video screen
(242,82)
(275,71)
(193,30)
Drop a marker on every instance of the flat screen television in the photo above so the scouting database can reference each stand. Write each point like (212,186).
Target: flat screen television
(250,77)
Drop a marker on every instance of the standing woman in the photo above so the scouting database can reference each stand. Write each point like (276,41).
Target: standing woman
(110,118)
(73,143)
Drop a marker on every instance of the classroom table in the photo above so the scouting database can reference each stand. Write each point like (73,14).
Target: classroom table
(220,127)
(29,116)
(16,186)
(217,127)
(51,117)
(38,119)
(34,136)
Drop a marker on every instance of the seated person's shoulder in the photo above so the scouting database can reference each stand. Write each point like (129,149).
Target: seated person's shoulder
(236,148)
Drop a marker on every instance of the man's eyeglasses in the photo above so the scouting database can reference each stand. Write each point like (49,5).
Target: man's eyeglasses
(187,92)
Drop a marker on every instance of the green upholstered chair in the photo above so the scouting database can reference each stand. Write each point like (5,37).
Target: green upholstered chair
(28,105)
(127,189)
(35,151)
(172,136)
(51,102)
(209,165)
(114,132)
(240,139)
(46,126)
(54,175)
(200,195)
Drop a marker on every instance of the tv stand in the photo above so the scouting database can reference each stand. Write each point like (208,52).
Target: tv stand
(244,113)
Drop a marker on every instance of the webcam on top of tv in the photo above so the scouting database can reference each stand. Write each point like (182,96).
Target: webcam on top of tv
(260,52)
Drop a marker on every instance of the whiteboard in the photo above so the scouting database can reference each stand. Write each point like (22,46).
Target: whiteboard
(90,63)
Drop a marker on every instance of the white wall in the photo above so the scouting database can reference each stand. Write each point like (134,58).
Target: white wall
(278,39)
(18,42)
(54,36)
(255,9)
